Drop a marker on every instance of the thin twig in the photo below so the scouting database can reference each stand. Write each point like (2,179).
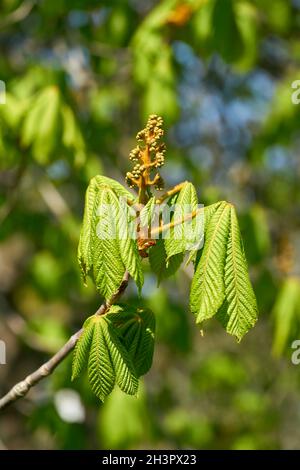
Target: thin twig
(117,295)
(163,228)
(171,192)
(22,388)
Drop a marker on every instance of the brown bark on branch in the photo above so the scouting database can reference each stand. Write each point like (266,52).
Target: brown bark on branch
(22,388)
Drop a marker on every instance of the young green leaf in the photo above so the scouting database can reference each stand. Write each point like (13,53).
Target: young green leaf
(148,213)
(136,328)
(101,349)
(100,368)
(82,348)
(126,376)
(208,213)
(140,341)
(207,290)
(239,313)
(158,261)
(108,268)
(128,244)
(104,182)
(85,257)
(107,246)
(185,235)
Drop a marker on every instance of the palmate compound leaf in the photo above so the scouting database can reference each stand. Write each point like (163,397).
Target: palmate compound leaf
(158,261)
(101,252)
(101,350)
(239,311)
(188,234)
(207,290)
(221,283)
(136,329)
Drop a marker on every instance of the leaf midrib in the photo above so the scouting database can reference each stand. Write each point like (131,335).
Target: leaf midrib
(212,240)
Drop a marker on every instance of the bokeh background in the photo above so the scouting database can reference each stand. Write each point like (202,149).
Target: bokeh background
(81,77)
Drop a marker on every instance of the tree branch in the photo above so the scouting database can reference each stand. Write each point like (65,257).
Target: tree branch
(22,388)
(171,192)
(163,228)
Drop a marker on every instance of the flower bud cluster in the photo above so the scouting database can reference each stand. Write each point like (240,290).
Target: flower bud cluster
(149,153)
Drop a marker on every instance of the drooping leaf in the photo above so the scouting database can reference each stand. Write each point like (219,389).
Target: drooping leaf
(126,376)
(208,213)
(239,312)
(82,348)
(85,242)
(107,246)
(106,357)
(140,340)
(108,268)
(136,328)
(100,367)
(207,290)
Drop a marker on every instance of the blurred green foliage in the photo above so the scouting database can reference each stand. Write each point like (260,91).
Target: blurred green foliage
(80,78)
